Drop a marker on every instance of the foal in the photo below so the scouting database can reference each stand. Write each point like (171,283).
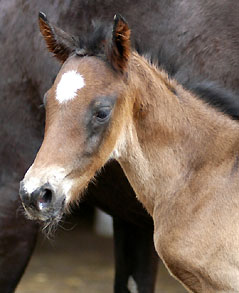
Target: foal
(180,155)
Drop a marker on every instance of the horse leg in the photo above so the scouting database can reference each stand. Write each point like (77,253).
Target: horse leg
(17,238)
(135,258)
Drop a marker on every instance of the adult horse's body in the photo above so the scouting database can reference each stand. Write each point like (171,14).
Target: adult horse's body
(192,46)
(179,154)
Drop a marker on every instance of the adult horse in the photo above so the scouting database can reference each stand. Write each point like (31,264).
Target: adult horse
(189,43)
(179,154)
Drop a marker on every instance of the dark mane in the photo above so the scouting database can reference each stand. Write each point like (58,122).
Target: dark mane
(93,42)
(98,39)
(217,96)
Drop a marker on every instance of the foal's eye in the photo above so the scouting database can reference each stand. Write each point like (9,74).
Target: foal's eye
(102,114)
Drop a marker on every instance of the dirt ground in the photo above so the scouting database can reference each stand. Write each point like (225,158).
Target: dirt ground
(78,261)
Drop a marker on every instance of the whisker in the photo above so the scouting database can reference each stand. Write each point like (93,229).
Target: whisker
(67,229)
(41,106)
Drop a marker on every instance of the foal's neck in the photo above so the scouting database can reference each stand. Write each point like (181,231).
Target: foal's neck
(171,135)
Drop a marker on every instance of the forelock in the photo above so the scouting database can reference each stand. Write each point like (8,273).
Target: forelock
(95,41)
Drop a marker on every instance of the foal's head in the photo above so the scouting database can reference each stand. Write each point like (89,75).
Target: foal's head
(85,113)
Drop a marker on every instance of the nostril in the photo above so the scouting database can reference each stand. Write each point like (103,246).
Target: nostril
(45,198)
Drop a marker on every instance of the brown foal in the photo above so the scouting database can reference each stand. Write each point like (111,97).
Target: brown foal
(180,155)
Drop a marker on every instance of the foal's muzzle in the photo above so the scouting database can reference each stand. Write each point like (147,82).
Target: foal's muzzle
(41,203)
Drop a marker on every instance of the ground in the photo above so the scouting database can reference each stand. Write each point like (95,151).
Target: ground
(78,261)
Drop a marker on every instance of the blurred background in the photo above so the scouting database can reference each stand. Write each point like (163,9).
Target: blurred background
(79,259)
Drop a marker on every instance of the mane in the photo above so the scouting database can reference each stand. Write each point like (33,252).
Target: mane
(216,96)
(93,42)
(98,38)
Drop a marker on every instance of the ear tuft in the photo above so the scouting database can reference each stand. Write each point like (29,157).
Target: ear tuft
(120,50)
(58,42)
(42,15)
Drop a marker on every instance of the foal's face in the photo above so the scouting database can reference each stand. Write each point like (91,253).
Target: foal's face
(83,121)
(84,116)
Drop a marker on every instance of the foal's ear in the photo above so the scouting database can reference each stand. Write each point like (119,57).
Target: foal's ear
(58,42)
(120,48)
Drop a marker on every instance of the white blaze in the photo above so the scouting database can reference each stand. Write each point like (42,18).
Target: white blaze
(68,86)
(54,175)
